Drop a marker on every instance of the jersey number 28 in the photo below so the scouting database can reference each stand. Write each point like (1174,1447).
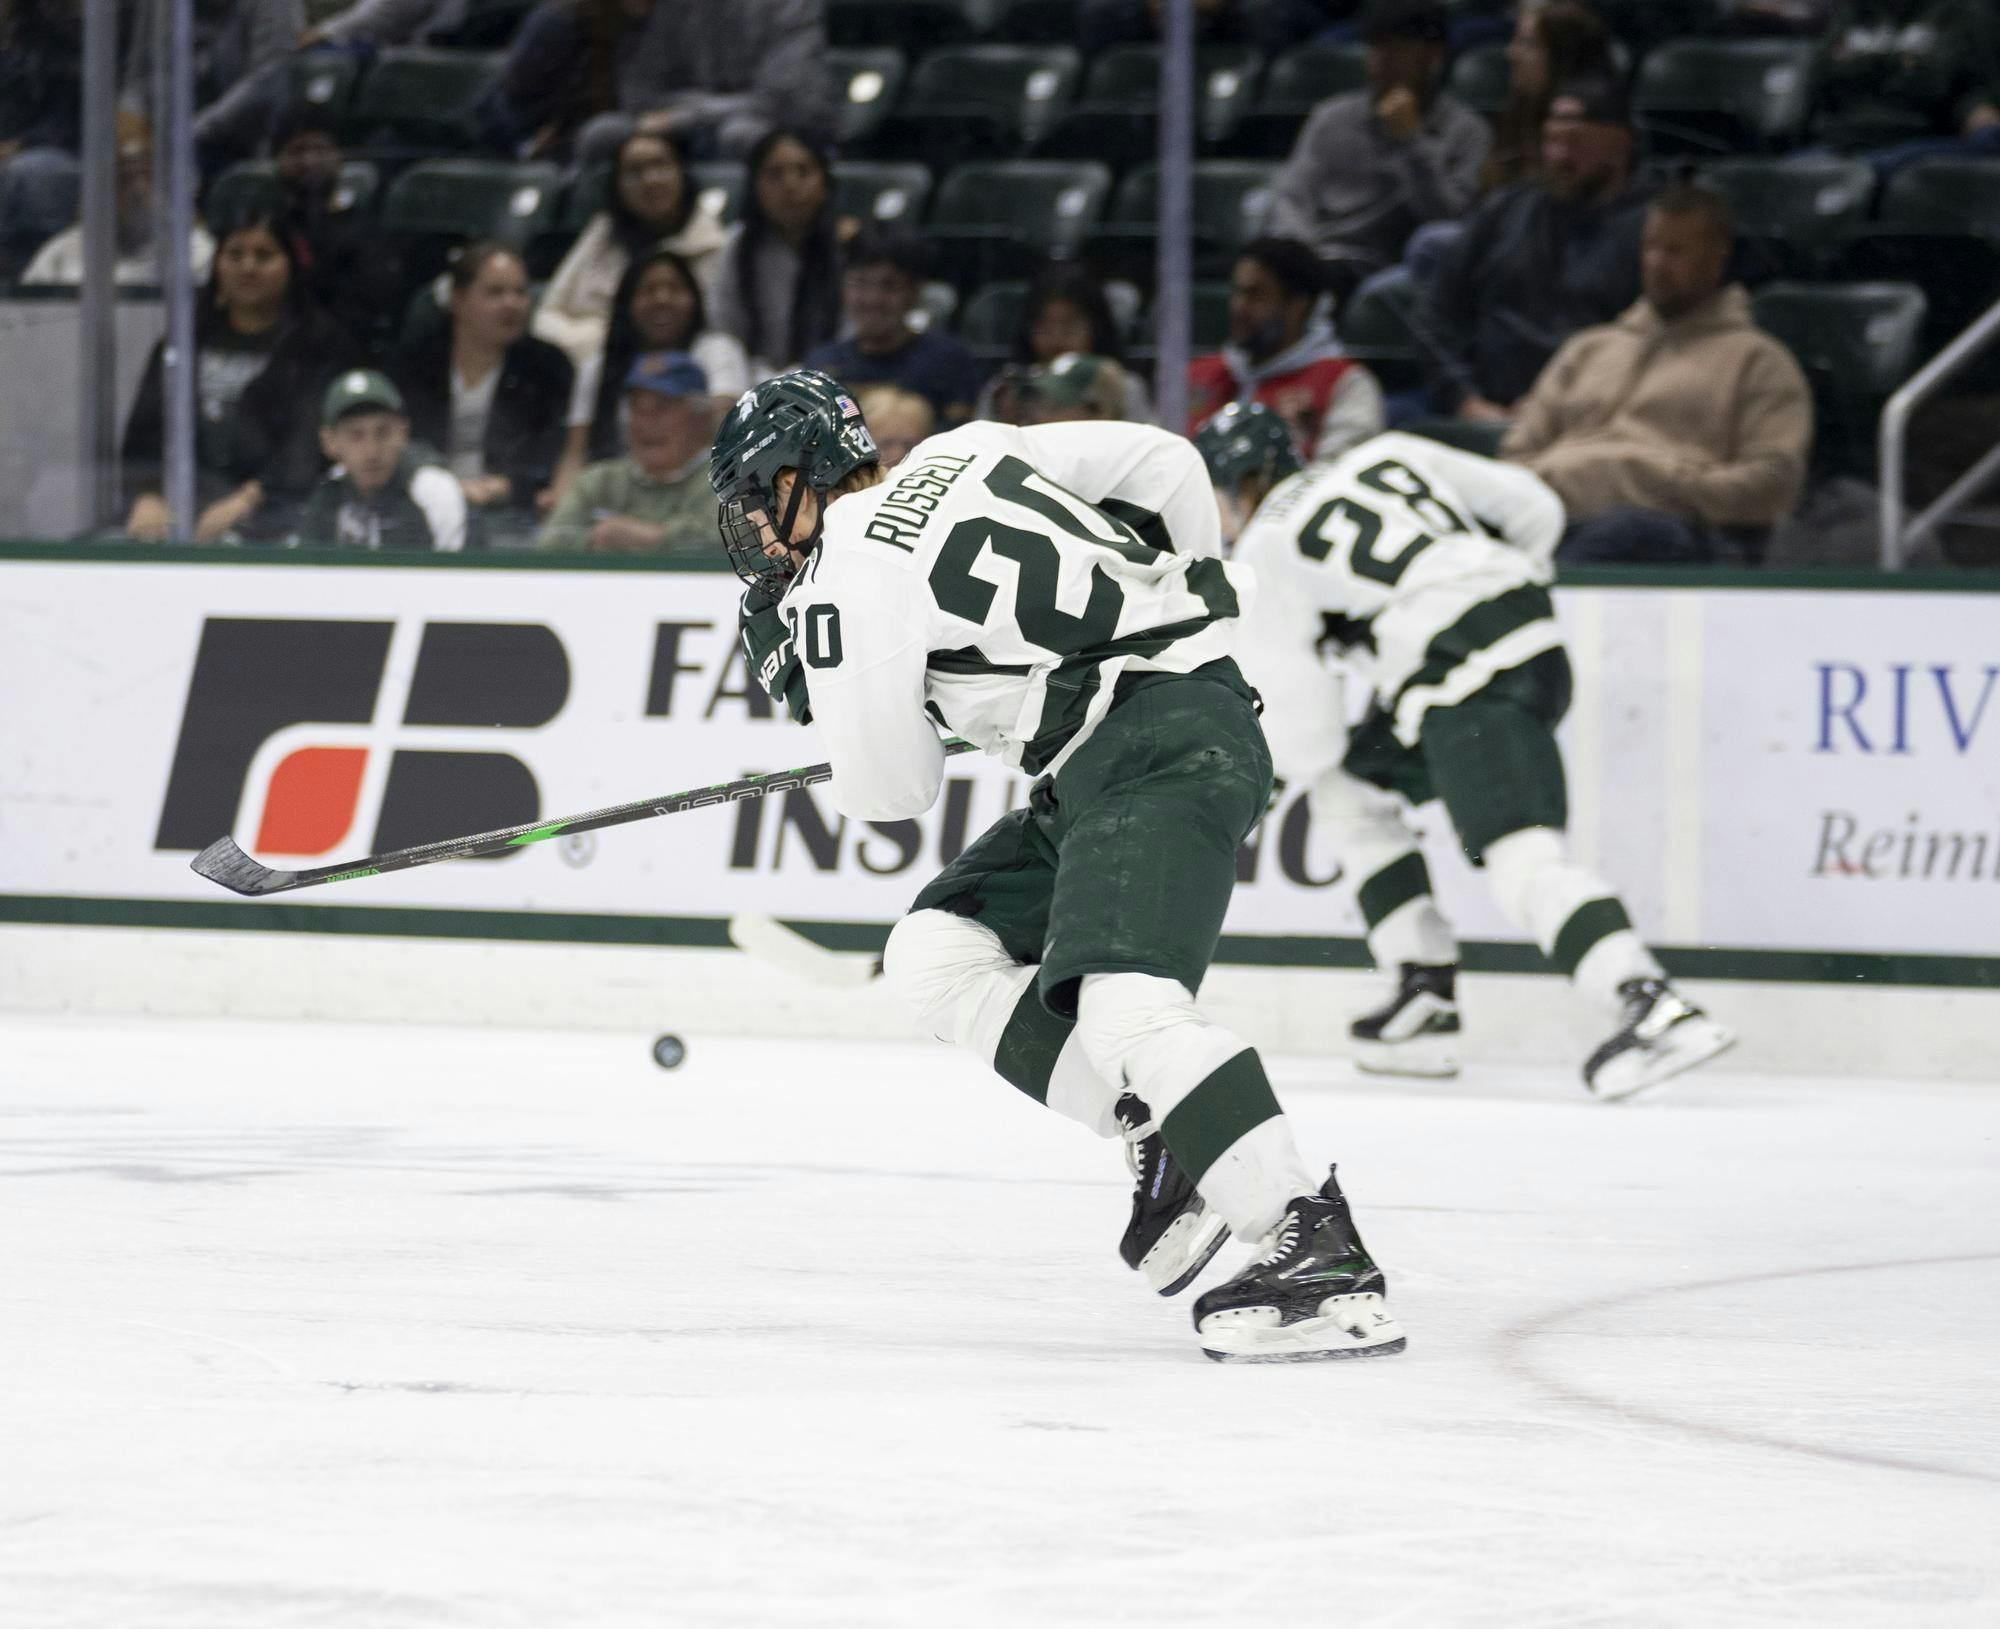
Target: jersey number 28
(1392,480)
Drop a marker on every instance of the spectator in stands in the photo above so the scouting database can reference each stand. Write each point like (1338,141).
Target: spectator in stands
(653,205)
(719,74)
(1372,166)
(1073,389)
(41,120)
(382,493)
(1912,77)
(242,52)
(352,271)
(1278,354)
(658,307)
(657,499)
(561,72)
(777,281)
(1678,421)
(1066,312)
(898,419)
(60,260)
(1539,260)
(263,354)
(384,22)
(878,292)
(1555,42)
(487,394)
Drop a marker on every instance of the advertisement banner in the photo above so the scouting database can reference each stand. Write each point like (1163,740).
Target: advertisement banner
(1762,770)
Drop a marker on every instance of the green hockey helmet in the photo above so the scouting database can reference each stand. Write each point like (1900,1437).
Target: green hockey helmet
(1246,441)
(800,421)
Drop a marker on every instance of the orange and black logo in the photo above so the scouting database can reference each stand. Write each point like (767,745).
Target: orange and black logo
(259,678)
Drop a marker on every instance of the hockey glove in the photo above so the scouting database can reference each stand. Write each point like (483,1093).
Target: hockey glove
(769,653)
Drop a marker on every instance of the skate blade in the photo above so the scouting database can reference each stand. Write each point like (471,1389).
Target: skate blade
(1187,1246)
(1422,1057)
(1688,1045)
(1349,1326)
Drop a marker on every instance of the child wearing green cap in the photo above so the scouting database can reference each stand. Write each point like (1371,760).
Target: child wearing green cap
(381,492)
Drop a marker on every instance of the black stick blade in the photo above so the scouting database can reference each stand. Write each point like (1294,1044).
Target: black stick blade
(222,861)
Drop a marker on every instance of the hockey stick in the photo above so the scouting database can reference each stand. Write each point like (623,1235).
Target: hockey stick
(223,862)
(785,948)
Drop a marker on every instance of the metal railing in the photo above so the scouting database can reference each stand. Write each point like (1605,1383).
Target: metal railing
(1899,536)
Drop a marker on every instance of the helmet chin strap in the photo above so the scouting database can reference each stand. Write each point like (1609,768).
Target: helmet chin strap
(792,514)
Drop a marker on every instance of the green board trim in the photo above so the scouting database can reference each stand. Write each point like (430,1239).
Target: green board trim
(159,554)
(125,552)
(1756,966)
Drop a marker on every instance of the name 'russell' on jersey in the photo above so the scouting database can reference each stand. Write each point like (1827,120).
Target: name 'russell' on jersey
(1003,582)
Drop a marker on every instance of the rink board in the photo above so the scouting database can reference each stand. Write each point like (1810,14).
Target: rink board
(1788,784)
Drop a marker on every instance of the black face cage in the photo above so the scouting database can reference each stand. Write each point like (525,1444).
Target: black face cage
(744,523)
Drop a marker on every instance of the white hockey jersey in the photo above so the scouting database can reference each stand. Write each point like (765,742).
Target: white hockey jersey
(1423,565)
(999,583)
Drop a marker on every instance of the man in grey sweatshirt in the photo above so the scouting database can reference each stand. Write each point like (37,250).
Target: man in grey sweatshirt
(1372,166)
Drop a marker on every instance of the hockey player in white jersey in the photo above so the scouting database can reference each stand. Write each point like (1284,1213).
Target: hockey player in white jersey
(1425,569)
(1056,596)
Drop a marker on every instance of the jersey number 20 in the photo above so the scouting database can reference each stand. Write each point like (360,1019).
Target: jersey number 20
(1037,561)
(818,642)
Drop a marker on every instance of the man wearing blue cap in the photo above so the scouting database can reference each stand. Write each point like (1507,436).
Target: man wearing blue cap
(656,499)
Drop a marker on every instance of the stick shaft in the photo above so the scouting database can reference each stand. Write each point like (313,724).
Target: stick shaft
(223,862)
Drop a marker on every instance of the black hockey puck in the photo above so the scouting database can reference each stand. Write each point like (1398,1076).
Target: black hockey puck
(669,1051)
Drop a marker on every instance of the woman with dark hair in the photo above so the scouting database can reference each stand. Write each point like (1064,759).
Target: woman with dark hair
(561,71)
(1554,41)
(777,284)
(263,353)
(487,394)
(1067,314)
(658,307)
(653,205)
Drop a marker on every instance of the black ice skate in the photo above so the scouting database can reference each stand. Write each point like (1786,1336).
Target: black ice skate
(1311,1292)
(1173,1234)
(1416,1031)
(1663,1035)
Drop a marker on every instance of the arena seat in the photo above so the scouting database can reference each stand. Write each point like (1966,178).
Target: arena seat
(1295,83)
(254,183)
(885,194)
(1378,328)
(1793,215)
(870,80)
(442,202)
(988,321)
(1857,342)
(1938,226)
(419,97)
(977,102)
(1724,96)
(999,219)
(1230,197)
(325,79)
(720,181)
(1226,80)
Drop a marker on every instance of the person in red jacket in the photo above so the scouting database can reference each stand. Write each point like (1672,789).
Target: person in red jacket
(1279,355)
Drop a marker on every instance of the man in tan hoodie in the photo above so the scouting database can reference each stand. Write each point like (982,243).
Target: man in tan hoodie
(1679,421)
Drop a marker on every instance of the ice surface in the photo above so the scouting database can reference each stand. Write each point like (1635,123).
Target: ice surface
(325,1327)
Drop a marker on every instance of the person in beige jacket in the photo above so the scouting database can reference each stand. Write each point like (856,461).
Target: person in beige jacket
(1678,422)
